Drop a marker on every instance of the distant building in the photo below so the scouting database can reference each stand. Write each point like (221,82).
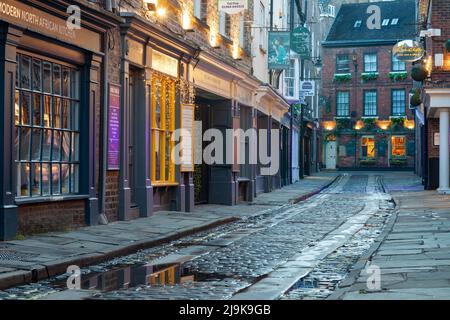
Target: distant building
(434,111)
(366,119)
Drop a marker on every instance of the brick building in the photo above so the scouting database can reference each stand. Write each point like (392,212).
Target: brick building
(433,17)
(366,119)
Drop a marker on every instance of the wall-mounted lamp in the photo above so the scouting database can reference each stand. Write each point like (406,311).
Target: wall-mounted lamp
(186,21)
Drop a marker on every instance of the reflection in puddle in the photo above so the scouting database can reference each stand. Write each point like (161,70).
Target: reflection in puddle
(133,276)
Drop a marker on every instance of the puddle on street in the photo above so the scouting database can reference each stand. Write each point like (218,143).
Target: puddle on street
(130,276)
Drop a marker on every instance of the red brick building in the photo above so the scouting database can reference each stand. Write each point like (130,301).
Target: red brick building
(366,119)
(434,19)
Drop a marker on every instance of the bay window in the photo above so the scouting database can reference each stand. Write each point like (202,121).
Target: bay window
(47,127)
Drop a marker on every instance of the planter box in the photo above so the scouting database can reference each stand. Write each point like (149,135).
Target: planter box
(398,162)
(367,162)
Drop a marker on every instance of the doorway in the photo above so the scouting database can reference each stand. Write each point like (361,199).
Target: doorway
(330,154)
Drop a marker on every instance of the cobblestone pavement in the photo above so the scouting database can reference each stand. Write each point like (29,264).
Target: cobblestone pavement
(327,233)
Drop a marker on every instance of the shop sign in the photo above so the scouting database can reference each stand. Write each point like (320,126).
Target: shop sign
(408,51)
(301,42)
(308,88)
(279,48)
(187,138)
(114,128)
(233,6)
(164,63)
(41,22)
(209,81)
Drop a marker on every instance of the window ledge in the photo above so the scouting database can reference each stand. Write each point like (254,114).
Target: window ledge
(165,184)
(398,117)
(22,201)
(202,24)
(370,117)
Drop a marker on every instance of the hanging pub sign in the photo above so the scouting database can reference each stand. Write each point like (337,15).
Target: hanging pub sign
(408,51)
(233,6)
(114,128)
(279,47)
(308,88)
(301,42)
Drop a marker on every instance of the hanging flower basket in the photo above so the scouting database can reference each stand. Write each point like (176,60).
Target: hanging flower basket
(415,99)
(418,72)
(447,45)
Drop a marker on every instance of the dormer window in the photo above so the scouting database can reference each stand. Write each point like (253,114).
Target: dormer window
(357,24)
(394,22)
(385,22)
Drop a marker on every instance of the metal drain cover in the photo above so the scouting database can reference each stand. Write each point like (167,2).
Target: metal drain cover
(11,255)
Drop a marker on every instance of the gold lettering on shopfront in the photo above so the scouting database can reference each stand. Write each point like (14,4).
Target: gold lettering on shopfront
(36,20)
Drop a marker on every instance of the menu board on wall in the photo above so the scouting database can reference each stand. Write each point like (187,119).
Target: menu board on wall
(114,128)
(187,139)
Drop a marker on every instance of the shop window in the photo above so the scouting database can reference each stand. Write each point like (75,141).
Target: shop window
(398,146)
(47,128)
(163,127)
(368,147)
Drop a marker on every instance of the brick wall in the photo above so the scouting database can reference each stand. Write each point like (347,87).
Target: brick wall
(45,217)
(356,86)
(433,126)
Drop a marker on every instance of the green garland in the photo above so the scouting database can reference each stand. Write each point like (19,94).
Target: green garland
(398,75)
(342,77)
(366,76)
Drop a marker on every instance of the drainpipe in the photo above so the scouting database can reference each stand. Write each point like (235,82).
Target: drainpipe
(104,137)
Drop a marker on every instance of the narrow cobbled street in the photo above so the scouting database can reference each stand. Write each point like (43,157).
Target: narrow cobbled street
(298,251)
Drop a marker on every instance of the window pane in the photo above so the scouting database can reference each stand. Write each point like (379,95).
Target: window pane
(65,175)
(23,179)
(25,72)
(37,140)
(17,107)
(46,173)
(75,116)
(37,77)
(26,108)
(37,109)
(75,147)
(25,135)
(157,151)
(56,179)
(65,150)
(74,178)
(398,146)
(47,73)
(36,179)
(47,145)
(57,79)
(47,111)
(75,84)
(56,155)
(66,82)
(66,114)
(158,106)
(57,113)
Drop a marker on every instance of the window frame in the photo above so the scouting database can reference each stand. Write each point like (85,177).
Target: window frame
(396,61)
(404,156)
(67,128)
(374,147)
(337,103)
(165,81)
(365,63)
(338,56)
(292,79)
(365,100)
(393,100)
